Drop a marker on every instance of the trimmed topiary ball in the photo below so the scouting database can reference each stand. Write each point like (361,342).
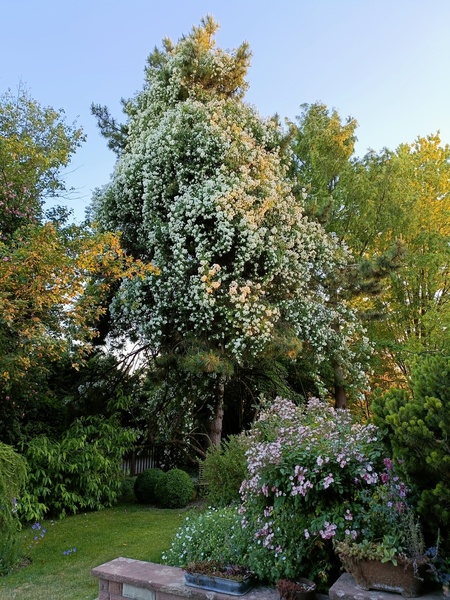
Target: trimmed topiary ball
(146,484)
(127,495)
(175,490)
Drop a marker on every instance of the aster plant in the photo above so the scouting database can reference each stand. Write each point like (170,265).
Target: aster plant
(310,470)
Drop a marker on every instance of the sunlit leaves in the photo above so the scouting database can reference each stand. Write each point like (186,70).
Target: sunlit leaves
(52,283)
(36,145)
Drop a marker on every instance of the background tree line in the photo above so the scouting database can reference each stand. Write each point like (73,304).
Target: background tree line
(240,256)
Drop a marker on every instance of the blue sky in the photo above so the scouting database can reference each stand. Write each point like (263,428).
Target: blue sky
(384,62)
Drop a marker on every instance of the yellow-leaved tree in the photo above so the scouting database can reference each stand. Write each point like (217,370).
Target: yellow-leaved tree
(54,276)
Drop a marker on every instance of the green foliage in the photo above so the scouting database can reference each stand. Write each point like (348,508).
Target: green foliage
(352,198)
(225,468)
(82,471)
(127,495)
(175,489)
(417,427)
(215,534)
(13,473)
(322,145)
(145,485)
(37,145)
(54,276)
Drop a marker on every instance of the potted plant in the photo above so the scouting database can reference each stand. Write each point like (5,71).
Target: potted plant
(296,589)
(216,576)
(385,549)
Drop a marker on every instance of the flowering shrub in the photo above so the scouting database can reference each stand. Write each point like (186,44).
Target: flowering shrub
(215,534)
(307,467)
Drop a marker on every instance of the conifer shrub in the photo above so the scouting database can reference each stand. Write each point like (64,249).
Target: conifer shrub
(416,425)
(175,489)
(146,484)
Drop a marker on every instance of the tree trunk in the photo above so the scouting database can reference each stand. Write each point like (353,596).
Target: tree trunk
(215,424)
(340,396)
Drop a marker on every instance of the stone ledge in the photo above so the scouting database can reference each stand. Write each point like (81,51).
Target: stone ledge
(345,588)
(164,581)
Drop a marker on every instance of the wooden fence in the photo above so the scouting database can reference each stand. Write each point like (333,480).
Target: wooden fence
(139,460)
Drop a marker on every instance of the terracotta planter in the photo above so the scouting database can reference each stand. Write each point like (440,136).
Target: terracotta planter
(387,577)
(219,584)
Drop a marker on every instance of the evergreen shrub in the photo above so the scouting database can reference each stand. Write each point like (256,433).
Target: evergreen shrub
(416,425)
(127,495)
(225,468)
(175,489)
(146,484)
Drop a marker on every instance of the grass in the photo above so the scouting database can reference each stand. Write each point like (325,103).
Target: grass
(130,530)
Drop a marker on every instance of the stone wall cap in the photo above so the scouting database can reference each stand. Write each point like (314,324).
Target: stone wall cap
(166,579)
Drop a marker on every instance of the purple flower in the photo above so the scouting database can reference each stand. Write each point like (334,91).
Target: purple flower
(388,463)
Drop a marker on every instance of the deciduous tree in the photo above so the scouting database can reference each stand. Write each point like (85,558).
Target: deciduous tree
(53,276)
(347,196)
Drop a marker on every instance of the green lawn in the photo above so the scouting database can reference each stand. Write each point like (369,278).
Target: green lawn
(133,531)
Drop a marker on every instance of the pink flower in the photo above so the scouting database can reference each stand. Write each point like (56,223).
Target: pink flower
(388,463)
(328,481)
(329,531)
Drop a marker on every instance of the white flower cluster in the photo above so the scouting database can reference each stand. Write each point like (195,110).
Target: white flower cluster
(201,191)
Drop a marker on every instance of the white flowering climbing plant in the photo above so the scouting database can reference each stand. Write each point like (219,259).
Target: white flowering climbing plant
(200,190)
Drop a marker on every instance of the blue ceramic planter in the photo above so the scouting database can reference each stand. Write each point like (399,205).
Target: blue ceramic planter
(219,584)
